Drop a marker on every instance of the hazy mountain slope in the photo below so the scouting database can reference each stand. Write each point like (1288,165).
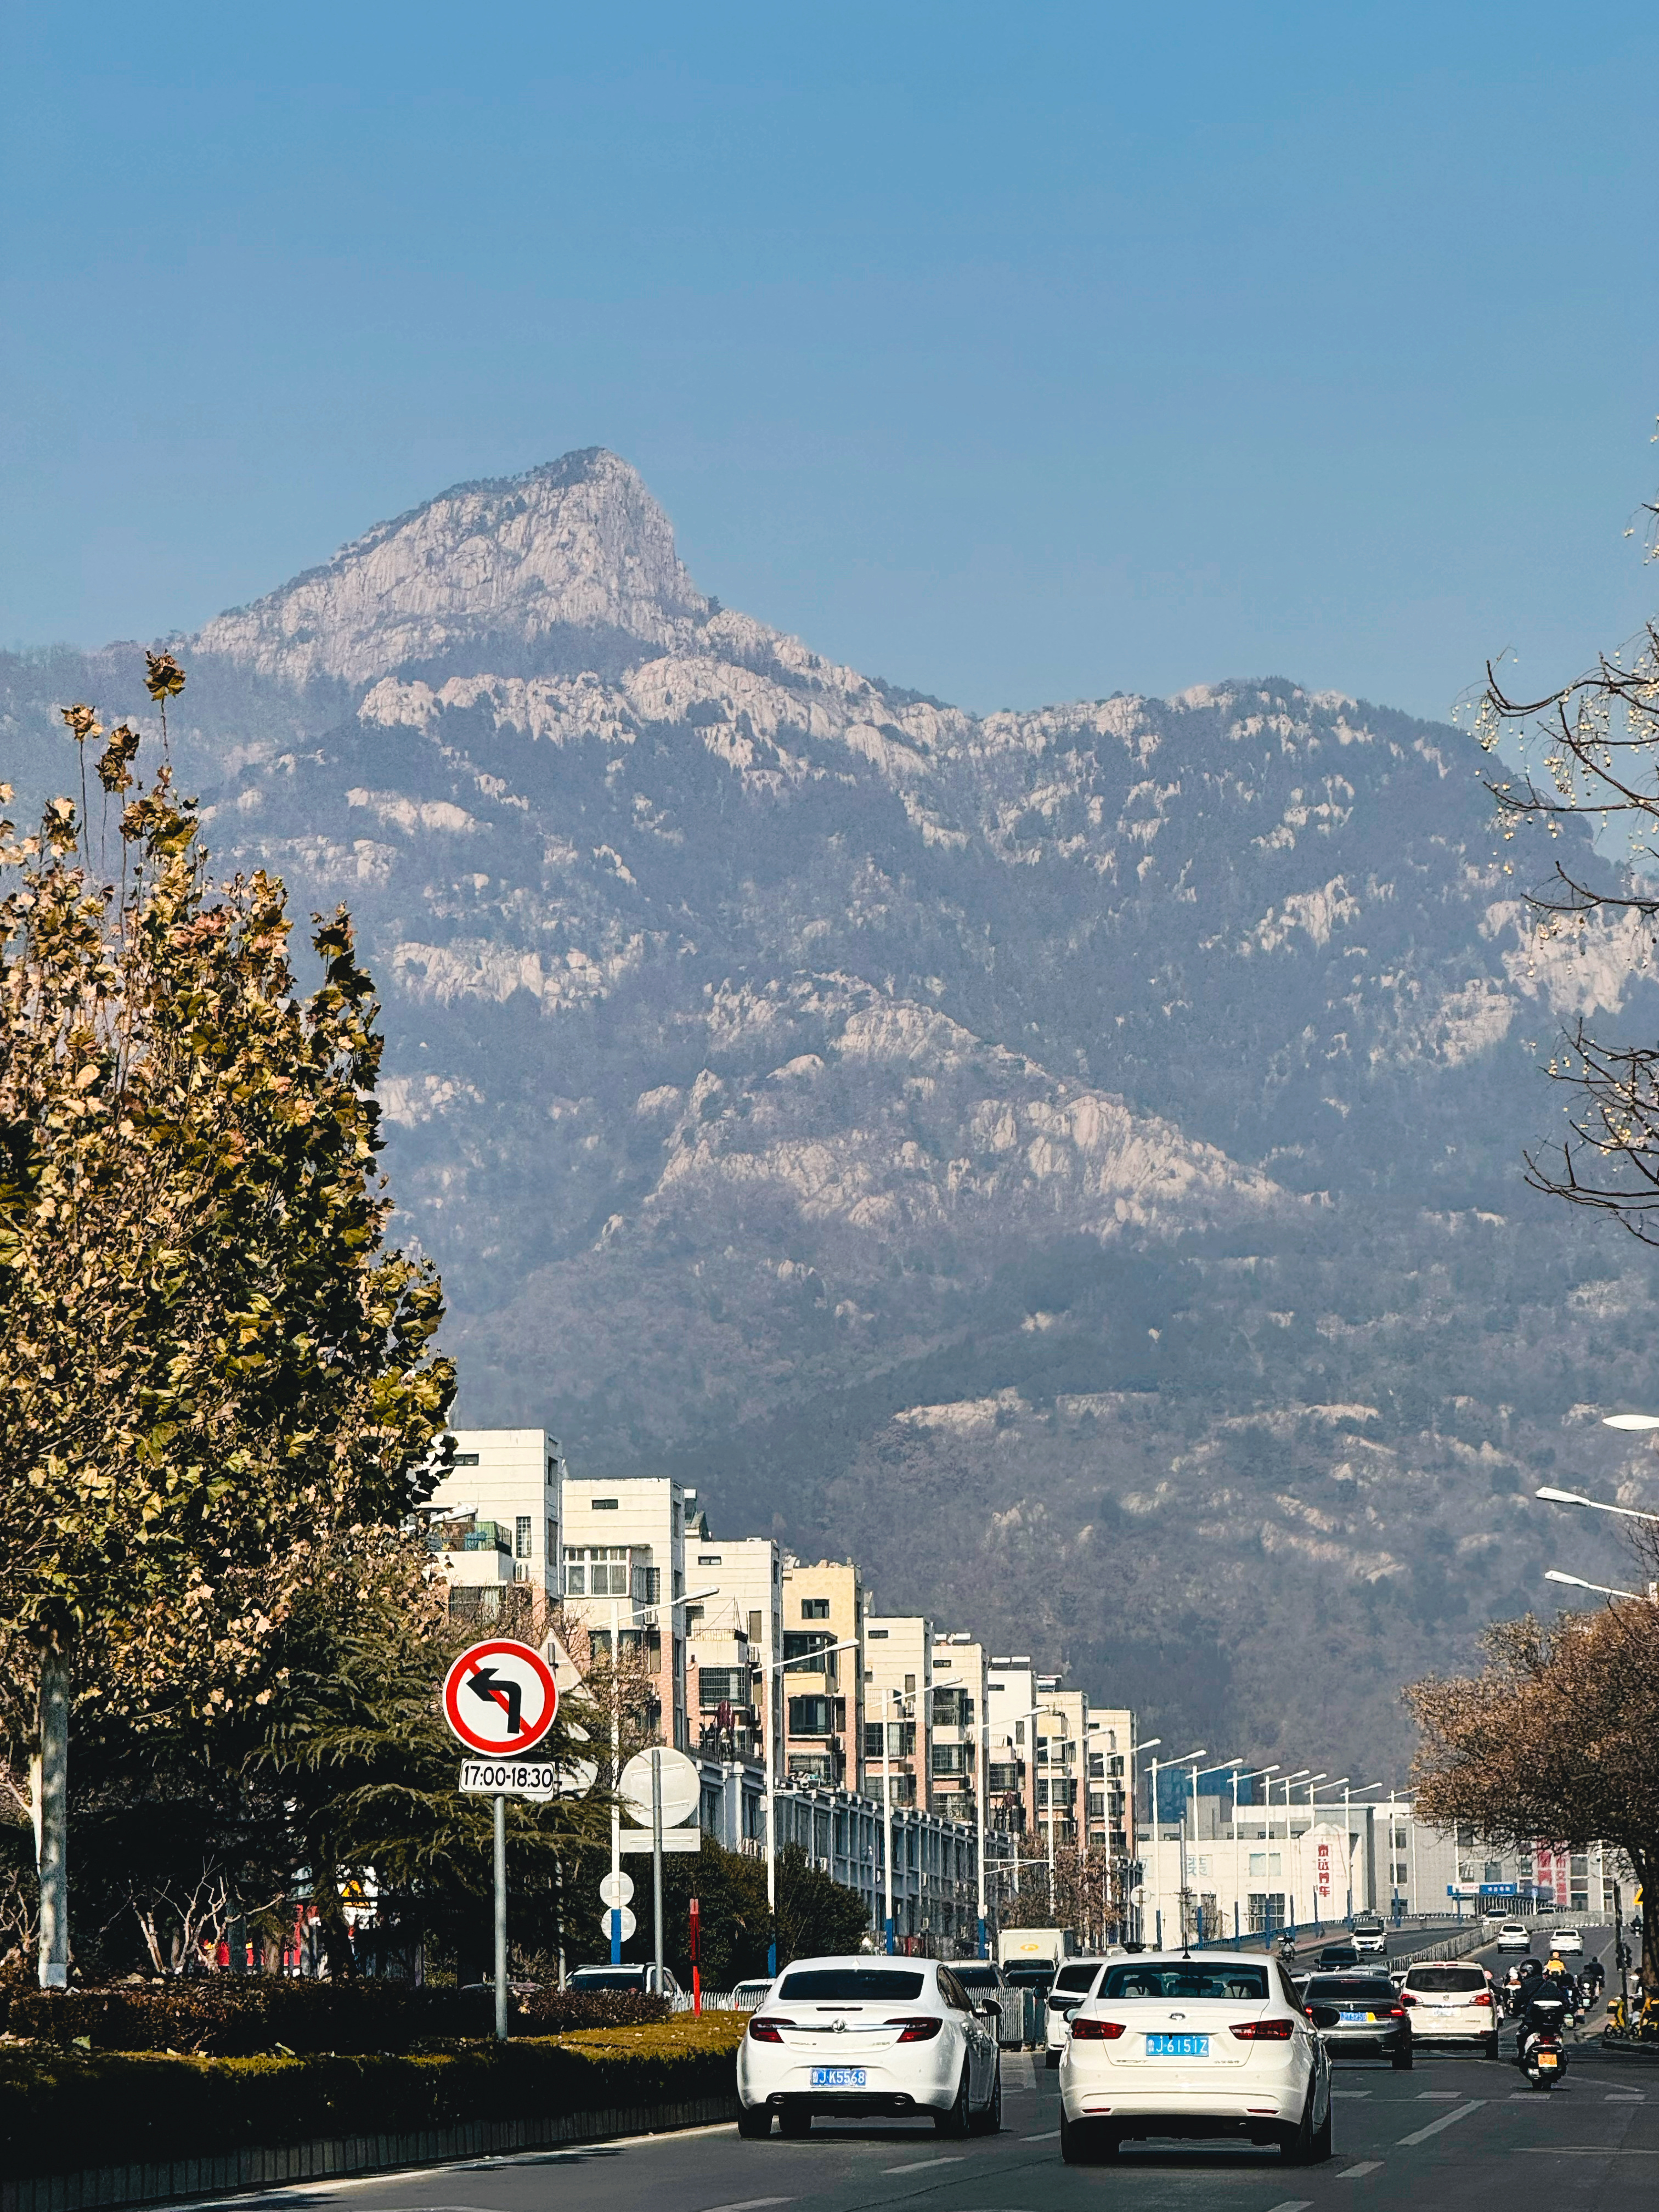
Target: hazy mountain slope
(1067,1157)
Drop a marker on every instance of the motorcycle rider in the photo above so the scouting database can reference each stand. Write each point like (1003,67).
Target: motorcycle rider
(1543,2012)
(1593,1980)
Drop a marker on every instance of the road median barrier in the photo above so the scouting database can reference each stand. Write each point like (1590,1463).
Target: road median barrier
(80,2128)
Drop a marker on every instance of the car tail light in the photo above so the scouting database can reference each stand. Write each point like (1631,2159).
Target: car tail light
(1265,2030)
(919,2027)
(1097,2031)
(1406,1997)
(1396,2012)
(1483,1997)
(764,2029)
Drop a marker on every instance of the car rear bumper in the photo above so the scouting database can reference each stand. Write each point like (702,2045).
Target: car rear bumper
(930,2087)
(1363,2042)
(1201,2109)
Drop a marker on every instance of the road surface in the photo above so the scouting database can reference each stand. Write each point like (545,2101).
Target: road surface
(1456,2131)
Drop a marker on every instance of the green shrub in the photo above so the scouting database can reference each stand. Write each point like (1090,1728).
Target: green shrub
(64,2109)
(555,2012)
(233,2015)
(236,2016)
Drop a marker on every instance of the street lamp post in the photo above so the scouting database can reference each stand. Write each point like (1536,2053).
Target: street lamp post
(1361,1790)
(1194,1779)
(983,1737)
(1256,1775)
(1151,1744)
(696,1598)
(1577,1582)
(781,1667)
(1158,1844)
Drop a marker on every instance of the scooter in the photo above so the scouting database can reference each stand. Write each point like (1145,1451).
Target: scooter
(1541,2055)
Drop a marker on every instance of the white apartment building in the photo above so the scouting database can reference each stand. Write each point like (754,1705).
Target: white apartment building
(1109,1749)
(959,1712)
(498,1515)
(624,1559)
(1011,1692)
(734,1642)
(898,1685)
(1061,1726)
(824,1607)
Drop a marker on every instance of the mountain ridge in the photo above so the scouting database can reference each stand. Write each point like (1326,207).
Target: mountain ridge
(1066,1157)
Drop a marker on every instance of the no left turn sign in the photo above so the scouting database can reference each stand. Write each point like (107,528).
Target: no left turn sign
(499,1697)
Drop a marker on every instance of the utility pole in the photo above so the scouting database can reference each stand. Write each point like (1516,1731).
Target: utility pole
(51,1794)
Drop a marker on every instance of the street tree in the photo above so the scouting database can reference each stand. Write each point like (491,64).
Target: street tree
(1587,751)
(214,1371)
(1553,1741)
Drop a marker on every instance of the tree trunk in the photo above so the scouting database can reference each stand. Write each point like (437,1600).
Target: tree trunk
(1645,1866)
(51,1817)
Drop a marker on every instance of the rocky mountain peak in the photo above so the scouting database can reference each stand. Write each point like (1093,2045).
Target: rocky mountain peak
(559,566)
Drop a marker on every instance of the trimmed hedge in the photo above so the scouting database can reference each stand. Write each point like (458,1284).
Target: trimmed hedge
(233,2016)
(64,2110)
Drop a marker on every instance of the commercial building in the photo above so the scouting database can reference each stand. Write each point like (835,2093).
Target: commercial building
(1108,1750)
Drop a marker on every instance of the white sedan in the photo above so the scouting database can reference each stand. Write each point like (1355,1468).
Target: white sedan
(1566,1940)
(1205,2044)
(856,2037)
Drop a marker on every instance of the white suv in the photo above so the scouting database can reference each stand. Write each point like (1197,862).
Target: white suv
(1073,1981)
(1451,2003)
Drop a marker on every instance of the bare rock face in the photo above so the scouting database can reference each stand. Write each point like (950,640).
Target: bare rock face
(1067,1157)
(580,544)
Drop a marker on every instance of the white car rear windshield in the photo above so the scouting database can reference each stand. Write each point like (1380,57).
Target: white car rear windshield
(1075,1978)
(1248,1984)
(850,1985)
(1445,1981)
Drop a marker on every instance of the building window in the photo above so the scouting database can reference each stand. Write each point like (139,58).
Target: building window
(521,1536)
(815,1608)
(952,1707)
(811,1716)
(722,1686)
(552,1542)
(801,1645)
(602,1504)
(575,1582)
(949,1759)
(910,1685)
(1004,1777)
(709,1558)
(880,1635)
(464,1458)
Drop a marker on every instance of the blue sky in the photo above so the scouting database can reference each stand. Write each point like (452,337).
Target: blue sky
(1014,353)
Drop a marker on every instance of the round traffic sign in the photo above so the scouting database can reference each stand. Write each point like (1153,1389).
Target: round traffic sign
(616,1889)
(681,1787)
(500,1698)
(628,1922)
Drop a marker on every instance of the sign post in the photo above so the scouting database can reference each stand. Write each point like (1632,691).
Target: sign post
(696,1957)
(500,1699)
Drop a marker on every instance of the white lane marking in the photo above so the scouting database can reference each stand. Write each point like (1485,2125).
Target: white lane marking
(1587,2150)
(1446,2120)
(1053,2135)
(1293,2204)
(1436,2096)
(752,2204)
(922,2165)
(1358,2172)
(1348,2093)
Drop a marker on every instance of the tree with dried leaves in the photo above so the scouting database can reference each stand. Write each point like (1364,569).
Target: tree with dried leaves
(1590,751)
(214,1373)
(1556,1741)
